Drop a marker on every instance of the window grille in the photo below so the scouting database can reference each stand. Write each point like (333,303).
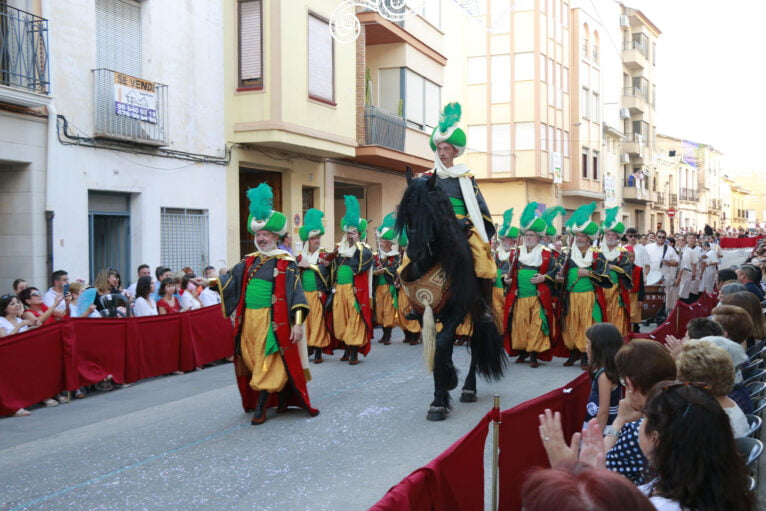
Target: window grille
(184,239)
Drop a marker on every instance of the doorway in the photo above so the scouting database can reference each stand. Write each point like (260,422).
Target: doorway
(251,178)
(109,233)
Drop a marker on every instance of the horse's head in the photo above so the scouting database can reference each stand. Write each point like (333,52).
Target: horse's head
(422,212)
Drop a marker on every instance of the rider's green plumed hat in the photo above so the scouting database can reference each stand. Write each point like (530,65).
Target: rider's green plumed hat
(312,224)
(580,221)
(352,219)
(611,223)
(549,215)
(506,231)
(262,216)
(529,221)
(447,130)
(386,229)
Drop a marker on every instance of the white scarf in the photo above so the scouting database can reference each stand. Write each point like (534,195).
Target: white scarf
(466,188)
(533,257)
(582,261)
(610,254)
(309,257)
(345,249)
(273,252)
(503,255)
(393,252)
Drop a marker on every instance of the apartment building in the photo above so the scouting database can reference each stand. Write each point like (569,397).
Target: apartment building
(755,202)
(112,142)
(319,117)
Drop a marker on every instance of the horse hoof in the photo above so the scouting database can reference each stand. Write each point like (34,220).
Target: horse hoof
(468,396)
(437,413)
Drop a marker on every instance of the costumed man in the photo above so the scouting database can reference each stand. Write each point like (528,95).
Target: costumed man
(505,255)
(638,257)
(620,271)
(529,316)
(664,258)
(410,327)
(316,279)
(448,142)
(580,270)
(264,293)
(352,316)
(387,261)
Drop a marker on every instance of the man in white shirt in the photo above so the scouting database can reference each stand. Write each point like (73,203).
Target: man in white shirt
(143,271)
(694,287)
(664,258)
(687,271)
(641,258)
(60,279)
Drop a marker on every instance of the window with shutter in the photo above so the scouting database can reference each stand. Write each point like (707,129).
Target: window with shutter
(250,44)
(321,61)
(118,36)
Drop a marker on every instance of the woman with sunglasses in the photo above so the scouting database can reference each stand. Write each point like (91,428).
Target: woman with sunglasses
(36,311)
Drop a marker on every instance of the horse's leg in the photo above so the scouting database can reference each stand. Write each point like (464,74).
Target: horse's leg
(468,394)
(445,374)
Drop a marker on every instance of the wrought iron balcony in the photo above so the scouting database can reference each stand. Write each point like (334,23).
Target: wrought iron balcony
(673,199)
(130,109)
(660,198)
(689,194)
(23,50)
(384,129)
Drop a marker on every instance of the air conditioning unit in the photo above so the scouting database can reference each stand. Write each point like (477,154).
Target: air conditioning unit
(624,113)
(624,23)
(625,158)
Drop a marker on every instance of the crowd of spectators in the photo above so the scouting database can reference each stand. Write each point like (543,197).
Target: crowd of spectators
(26,307)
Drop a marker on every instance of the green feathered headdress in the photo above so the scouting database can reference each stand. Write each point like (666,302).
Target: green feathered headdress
(549,215)
(312,225)
(506,231)
(403,240)
(611,223)
(580,221)
(262,216)
(447,130)
(529,221)
(352,219)
(386,229)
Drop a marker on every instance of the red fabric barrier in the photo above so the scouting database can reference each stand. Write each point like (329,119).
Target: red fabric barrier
(25,379)
(739,242)
(676,323)
(77,352)
(453,481)
(520,447)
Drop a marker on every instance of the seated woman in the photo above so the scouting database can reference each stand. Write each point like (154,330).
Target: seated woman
(144,305)
(735,321)
(35,310)
(10,316)
(190,299)
(168,303)
(703,361)
(752,306)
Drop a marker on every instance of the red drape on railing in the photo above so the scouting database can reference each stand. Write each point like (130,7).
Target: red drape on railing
(73,353)
(739,242)
(453,481)
(675,325)
(520,446)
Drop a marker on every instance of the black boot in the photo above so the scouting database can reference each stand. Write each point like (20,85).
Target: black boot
(318,356)
(259,415)
(344,358)
(584,361)
(573,356)
(353,360)
(533,359)
(522,357)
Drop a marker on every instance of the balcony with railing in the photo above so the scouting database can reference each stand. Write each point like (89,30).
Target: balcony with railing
(689,194)
(130,109)
(673,199)
(24,72)
(389,143)
(634,99)
(634,54)
(634,144)
(660,199)
(637,192)
(384,129)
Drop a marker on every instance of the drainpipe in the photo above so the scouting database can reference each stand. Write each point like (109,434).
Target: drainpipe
(45,9)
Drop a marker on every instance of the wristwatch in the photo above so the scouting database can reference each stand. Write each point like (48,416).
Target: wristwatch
(611,431)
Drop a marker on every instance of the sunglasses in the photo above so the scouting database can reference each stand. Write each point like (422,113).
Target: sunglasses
(7,296)
(631,235)
(35,294)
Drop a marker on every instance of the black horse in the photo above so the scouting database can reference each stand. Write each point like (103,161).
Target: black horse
(436,237)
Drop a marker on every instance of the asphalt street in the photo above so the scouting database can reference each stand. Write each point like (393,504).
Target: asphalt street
(183,442)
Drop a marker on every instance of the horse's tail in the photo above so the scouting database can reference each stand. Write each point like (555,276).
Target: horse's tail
(487,349)
(429,338)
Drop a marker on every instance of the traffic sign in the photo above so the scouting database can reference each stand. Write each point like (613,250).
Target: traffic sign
(671,212)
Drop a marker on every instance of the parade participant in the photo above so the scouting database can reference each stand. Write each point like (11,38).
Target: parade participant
(316,281)
(505,255)
(265,295)
(387,261)
(580,270)
(352,316)
(687,269)
(529,301)
(410,327)
(617,297)
(448,142)
(694,286)
(637,253)
(662,257)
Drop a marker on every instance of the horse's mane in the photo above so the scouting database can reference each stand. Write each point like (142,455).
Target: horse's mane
(428,217)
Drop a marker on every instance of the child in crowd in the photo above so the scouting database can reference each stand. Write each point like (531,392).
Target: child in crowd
(604,340)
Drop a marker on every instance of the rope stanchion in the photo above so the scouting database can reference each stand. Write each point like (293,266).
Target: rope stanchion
(495,450)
